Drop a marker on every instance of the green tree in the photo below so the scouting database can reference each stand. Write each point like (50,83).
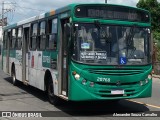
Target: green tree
(154,7)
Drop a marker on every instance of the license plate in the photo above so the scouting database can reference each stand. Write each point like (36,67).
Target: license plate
(117,92)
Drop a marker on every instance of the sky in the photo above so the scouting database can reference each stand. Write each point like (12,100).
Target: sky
(23,9)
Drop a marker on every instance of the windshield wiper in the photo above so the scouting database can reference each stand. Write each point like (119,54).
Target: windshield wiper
(129,39)
(130,36)
(129,42)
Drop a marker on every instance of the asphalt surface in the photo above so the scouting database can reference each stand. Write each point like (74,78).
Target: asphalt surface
(26,98)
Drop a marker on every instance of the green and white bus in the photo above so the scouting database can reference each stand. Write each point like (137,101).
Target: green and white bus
(82,52)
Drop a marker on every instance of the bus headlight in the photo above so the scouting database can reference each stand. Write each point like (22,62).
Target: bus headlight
(91,84)
(77,76)
(146,81)
(141,83)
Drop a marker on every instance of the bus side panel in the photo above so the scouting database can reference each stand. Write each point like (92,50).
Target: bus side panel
(36,72)
(40,79)
(32,76)
(32,68)
(39,62)
(50,62)
(40,71)
(18,65)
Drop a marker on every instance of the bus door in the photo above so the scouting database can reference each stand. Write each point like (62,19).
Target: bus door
(64,55)
(8,50)
(25,54)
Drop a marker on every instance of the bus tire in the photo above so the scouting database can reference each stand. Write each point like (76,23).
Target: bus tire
(114,101)
(14,81)
(53,99)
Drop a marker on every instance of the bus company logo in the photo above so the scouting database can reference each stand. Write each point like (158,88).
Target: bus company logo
(19,57)
(99,79)
(6,114)
(21,114)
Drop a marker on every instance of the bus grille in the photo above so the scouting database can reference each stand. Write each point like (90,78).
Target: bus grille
(104,90)
(116,72)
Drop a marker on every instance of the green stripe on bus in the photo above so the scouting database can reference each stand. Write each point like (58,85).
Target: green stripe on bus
(13,53)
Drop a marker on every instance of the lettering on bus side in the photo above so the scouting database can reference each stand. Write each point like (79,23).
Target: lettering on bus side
(100,79)
(46,59)
(19,57)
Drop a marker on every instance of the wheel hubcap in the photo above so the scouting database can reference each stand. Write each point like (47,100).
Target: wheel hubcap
(14,78)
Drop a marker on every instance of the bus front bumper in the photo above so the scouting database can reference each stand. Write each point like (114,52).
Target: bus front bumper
(80,92)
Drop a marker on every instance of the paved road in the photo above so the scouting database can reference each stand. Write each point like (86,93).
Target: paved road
(27,98)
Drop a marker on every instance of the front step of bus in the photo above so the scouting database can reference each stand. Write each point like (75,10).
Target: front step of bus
(63,97)
(26,82)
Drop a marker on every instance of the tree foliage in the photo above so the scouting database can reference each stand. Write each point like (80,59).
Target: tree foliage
(154,7)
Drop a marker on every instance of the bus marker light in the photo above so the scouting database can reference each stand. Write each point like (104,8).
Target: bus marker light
(141,83)
(146,80)
(74,73)
(84,82)
(77,76)
(91,84)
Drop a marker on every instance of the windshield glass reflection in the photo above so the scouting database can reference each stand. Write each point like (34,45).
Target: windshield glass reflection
(111,45)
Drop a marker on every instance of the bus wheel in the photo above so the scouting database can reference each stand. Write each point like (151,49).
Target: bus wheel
(50,91)
(113,101)
(14,81)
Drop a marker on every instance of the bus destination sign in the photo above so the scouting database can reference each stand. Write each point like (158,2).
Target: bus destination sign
(112,12)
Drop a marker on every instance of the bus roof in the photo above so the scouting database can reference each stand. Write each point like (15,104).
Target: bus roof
(60,10)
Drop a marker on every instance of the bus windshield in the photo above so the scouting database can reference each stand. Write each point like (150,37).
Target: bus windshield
(111,45)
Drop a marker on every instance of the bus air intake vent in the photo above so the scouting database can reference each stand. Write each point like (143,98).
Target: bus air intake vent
(118,72)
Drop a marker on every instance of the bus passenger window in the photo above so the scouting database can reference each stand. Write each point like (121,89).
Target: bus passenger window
(33,39)
(13,39)
(52,34)
(42,37)
(5,41)
(19,38)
